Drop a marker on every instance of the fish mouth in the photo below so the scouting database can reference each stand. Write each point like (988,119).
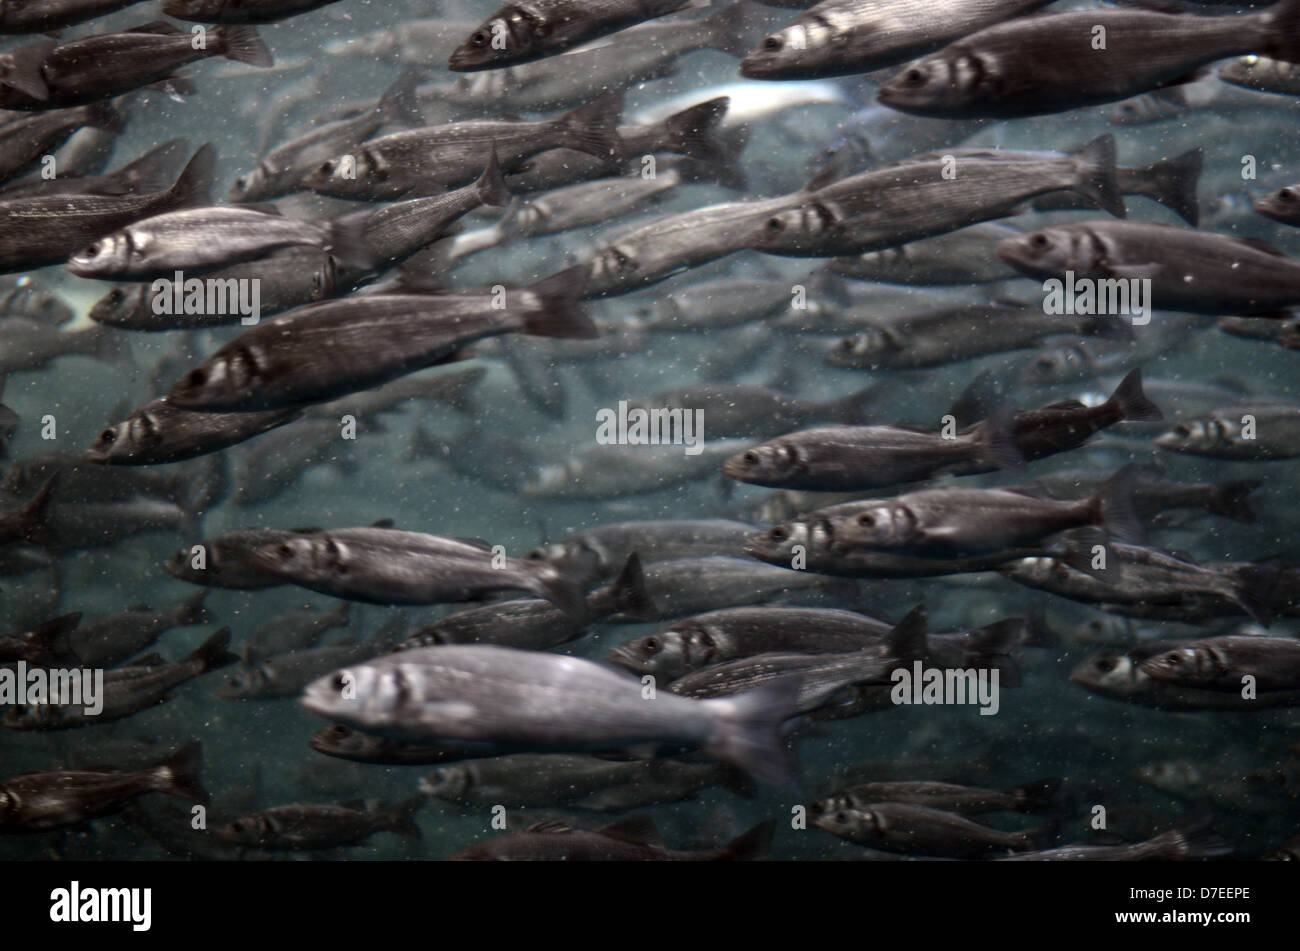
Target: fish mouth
(623,657)
(467,59)
(734,468)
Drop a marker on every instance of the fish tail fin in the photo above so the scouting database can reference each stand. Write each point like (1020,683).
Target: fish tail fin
(752,846)
(1173,183)
(693,131)
(491,185)
(1043,836)
(106,116)
(1232,500)
(1282,31)
(1252,589)
(1096,162)
(243,44)
(593,128)
(54,641)
(193,187)
(349,244)
(212,654)
(32,518)
(401,818)
(561,314)
(399,103)
(998,445)
(748,731)
(1196,837)
(1116,505)
(1132,403)
(630,594)
(1040,795)
(178,774)
(193,610)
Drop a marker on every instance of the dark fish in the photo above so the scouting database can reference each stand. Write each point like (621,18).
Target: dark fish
(1044,794)
(345,743)
(240,11)
(628,840)
(227,561)
(1051,63)
(160,433)
(1223,663)
(24,140)
(46,645)
(1263,73)
(46,15)
(36,802)
(844,37)
(1119,676)
(111,640)
(106,65)
(327,350)
(305,826)
(920,830)
(521,33)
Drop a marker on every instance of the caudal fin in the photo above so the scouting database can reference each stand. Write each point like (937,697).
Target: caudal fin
(401,818)
(693,132)
(193,612)
(31,519)
(1132,403)
(1172,182)
(748,731)
(1282,31)
(751,846)
(1117,506)
(560,314)
(243,44)
(1253,587)
(593,128)
(212,653)
(178,774)
(1043,795)
(1232,500)
(1096,162)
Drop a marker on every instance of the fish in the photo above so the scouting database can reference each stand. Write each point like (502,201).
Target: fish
(345,743)
(1041,795)
(921,830)
(306,826)
(955,522)
(41,801)
(47,645)
(695,643)
(1119,676)
(1246,432)
(240,11)
(605,548)
(99,67)
(406,164)
(1047,64)
(389,566)
(1262,73)
(1282,205)
(955,258)
(519,701)
(210,237)
(158,433)
(114,639)
(523,33)
(25,139)
(847,37)
(1224,663)
(1192,838)
(299,629)
(126,690)
(634,839)
(55,14)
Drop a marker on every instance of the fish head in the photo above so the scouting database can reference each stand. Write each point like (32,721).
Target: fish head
(776,545)
(880,526)
(1244,70)
(122,306)
(856,824)
(363,695)
(1198,434)
(247,830)
(863,349)
(1055,365)
(941,84)
(345,176)
(662,654)
(112,445)
(1283,203)
(223,382)
(247,681)
(772,463)
(251,186)
(1182,663)
(786,53)
(1046,251)
(1110,673)
(549,480)
(501,38)
(106,257)
(448,782)
(305,558)
(795,229)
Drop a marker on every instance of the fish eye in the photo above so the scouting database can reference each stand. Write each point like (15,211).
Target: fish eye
(115,295)
(241,183)
(751,458)
(914,77)
(479,39)
(1286,194)
(284,550)
(107,436)
(867,520)
(198,377)
(1039,240)
(1182,429)
(652,644)
(775,224)
(772,43)
(94,249)
(842,817)
(1107,664)
(339,682)
(779,534)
